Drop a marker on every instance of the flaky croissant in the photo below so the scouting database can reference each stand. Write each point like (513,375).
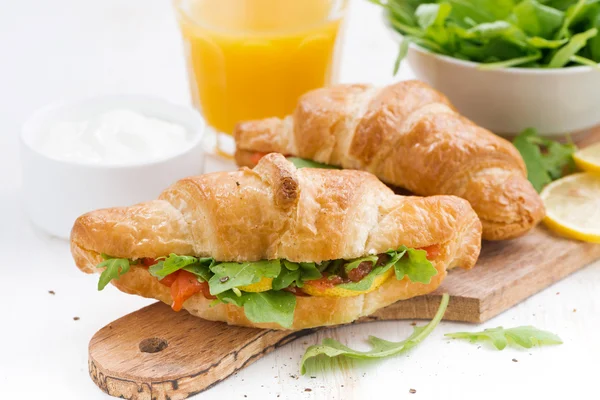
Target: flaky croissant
(410,136)
(276,211)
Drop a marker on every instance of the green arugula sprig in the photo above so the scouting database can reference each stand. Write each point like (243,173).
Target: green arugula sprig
(500,34)
(546,159)
(114,268)
(379,348)
(524,336)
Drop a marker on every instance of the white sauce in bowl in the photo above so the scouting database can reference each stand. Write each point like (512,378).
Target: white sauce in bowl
(117,136)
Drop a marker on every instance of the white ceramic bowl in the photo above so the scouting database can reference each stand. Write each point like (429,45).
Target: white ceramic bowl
(506,101)
(56,192)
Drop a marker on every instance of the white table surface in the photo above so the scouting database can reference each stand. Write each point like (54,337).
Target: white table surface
(53,49)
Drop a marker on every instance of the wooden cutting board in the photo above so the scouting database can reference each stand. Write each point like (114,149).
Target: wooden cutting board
(157,354)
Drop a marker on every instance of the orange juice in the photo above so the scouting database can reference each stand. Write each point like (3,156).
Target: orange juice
(250,59)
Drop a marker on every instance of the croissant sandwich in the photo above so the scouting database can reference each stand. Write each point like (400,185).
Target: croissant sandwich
(410,136)
(279,247)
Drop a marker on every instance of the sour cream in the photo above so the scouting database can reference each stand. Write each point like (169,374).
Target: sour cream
(118,136)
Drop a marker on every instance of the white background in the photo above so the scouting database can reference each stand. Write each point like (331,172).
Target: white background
(62,48)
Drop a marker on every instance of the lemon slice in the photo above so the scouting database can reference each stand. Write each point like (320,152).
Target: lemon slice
(588,159)
(261,286)
(573,206)
(342,292)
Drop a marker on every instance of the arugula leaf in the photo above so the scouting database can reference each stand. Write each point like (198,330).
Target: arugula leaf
(231,274)
(577,42)
(402,52)
(309,271)
(524,336)
(366,282)
(200,269)
(230,297)
(286,277)
(355,263)
(542,168)
(115,267)
(171,264)
(537,19)
(379,348)
(415,265)
(270,306)
(303,163)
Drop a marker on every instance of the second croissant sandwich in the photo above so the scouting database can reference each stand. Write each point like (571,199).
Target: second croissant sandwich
(279,247)
(410,136)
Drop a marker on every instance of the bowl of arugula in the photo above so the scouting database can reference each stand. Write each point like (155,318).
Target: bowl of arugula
(506,64)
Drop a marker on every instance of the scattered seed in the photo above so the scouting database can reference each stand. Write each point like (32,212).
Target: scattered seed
(412,391)
(75,318)
(574,310)
(237,183)
(224,279)
(515,360)
(557,293)
(308,390)
(413,324)
(51,292)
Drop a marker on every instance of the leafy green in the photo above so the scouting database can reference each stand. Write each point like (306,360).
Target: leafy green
(226,278)
(524,336)
(379,348)
(270,306)
(115,267)
(502,33)
(546,160)
(366,282)
(577,42)
(287,277)
(415,265)
(170,264)
(228,275)
(355,263)
(309,271)
(303,163)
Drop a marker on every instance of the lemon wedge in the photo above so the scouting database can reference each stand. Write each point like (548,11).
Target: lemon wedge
(588,159)
(261,286)
(337,291)
(573,206)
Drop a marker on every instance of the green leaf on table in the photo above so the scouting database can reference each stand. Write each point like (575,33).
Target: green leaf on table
(545,159)
(114,268)
(524,336)
(303,163)
(379,348)
(229,275)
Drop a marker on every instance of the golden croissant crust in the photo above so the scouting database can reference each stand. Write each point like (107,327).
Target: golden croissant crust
(277,211)
(409,135)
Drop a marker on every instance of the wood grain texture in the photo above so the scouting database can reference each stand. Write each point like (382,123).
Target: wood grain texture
(200,354)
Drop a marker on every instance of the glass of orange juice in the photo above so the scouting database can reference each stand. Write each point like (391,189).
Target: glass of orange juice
(251,59)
